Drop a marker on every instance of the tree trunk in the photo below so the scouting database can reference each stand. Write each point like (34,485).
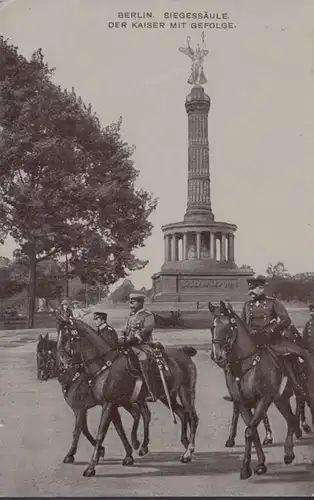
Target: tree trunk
(31,287)
(66,276)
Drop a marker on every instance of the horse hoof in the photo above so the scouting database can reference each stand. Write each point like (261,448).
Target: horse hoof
(288,459)
(246,474)
(128,461)
(136,445)
(267,441)
(298,433)
(230,443)
(68,459)
(260,469)
(89,472)
(143,451)
(307,429)
(185,460)
(102,452)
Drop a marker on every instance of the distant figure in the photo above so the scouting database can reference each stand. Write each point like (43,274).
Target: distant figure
(64,313)
(77,310)
(197,304)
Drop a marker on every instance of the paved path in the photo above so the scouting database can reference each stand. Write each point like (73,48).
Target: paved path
(36,433)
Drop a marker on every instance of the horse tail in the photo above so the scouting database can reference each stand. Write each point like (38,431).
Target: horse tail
(189,350)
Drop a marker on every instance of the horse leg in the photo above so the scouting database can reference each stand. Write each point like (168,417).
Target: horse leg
(146,414)
(187,398)
(78,427)
(300,414)
(179,411)
(136,412)
(105,419)
(117,422)
(269,436)
(233,429)
(251,436)
(283,405)
(88,435)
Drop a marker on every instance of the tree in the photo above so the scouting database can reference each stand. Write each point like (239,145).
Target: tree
(12,281)
(67,185)
(247,267)
(277,270)
(121,294)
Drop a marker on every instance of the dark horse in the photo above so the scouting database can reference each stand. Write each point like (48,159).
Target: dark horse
(293,335)
(78,396)
(254,379)
(112,384)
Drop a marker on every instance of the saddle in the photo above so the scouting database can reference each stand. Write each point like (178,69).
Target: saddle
(155,354)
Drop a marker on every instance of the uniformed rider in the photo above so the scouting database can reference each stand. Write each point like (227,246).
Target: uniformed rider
(308,331)
(268,319)
(100,319)
(137,333)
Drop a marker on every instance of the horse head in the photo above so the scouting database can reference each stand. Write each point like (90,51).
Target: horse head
(224,332)
(46,358)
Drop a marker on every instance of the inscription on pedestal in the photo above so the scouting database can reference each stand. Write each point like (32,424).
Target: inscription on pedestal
(229,284)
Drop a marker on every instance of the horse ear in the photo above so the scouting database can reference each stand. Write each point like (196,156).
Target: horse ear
(46,336)
(211,307)
(40,337)
(230,308)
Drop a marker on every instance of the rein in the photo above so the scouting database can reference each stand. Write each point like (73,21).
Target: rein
(228,347)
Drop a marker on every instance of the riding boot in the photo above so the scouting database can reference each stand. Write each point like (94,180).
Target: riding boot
(144,364)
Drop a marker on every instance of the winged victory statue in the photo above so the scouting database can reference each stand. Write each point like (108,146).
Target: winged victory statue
(197,76)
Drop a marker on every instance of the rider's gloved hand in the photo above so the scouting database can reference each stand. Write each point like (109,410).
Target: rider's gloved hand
(131,341)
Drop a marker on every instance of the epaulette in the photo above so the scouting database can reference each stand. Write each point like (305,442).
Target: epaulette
(149,313)
(269,298)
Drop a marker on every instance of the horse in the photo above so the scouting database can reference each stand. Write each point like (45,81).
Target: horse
(46,354)
(292,334)
(254,379)
(71,385)
(110,371)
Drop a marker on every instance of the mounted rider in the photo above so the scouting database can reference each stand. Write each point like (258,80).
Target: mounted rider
(268,320)
(64,313)
(308,331)
(100,318)
(137,333)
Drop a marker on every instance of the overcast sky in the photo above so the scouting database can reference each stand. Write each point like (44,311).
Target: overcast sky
(261,124)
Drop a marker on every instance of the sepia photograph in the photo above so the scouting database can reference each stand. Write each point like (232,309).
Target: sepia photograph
(156,248)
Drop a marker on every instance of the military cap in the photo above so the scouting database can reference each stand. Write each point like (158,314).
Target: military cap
(256,281)
(100,315)
(136,295)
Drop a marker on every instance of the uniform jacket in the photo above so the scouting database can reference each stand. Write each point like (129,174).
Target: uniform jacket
(104,327)
(308,334)
(140,325)
(258,313)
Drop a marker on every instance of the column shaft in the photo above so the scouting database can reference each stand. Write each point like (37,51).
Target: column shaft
(185,246)
(198,245)
(173,250)
(223,247)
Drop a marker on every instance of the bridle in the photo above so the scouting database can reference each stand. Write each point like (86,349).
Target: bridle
(229,340)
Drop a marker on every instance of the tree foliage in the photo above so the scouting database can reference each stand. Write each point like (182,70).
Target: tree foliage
(67,185)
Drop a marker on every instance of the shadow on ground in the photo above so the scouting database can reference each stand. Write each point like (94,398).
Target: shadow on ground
(204,464)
